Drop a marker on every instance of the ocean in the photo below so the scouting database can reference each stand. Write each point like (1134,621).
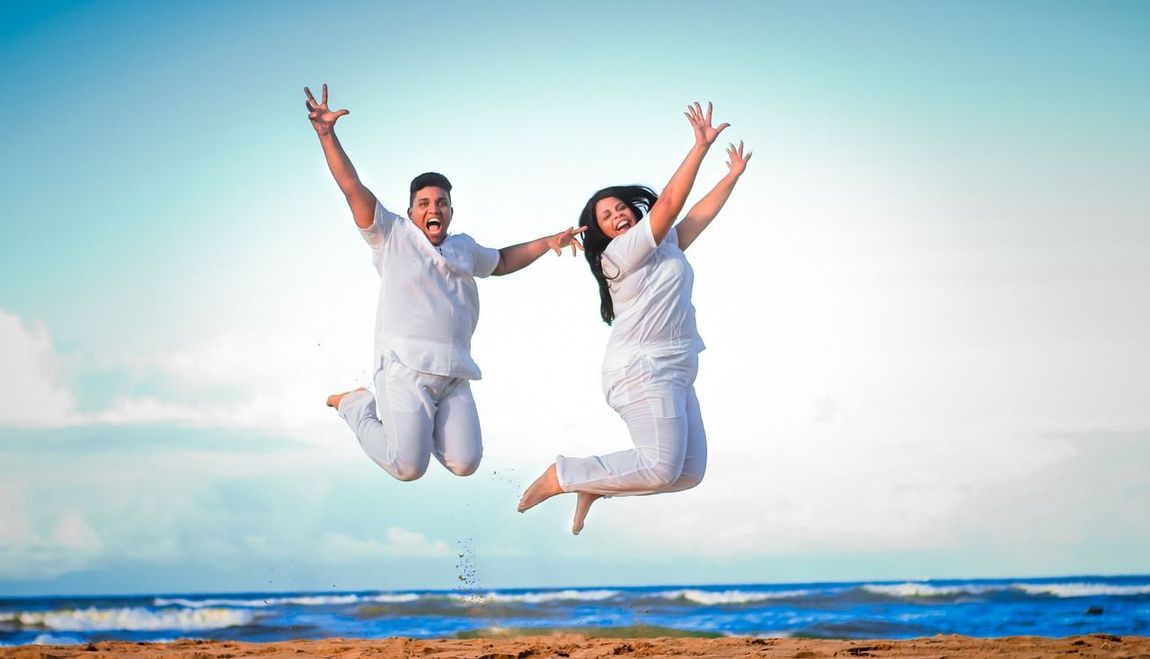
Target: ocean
(1052,607)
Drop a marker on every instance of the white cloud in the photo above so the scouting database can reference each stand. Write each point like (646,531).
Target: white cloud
(15,526)
(31,394)
(399,542)
(879,484)
(72,544)
(252,380)
(73,531)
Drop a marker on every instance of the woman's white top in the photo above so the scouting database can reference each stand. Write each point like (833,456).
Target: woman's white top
(650,287)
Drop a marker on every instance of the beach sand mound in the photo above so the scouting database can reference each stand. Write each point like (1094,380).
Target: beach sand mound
(578,646)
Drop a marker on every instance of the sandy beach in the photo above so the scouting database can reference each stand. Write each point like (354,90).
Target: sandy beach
(582,647)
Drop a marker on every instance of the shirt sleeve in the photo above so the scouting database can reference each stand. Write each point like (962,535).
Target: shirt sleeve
(631,250)
(376,234)
(485,259)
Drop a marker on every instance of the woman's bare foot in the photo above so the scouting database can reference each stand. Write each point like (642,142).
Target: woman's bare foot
(334,399)
(544,487)
(581,508)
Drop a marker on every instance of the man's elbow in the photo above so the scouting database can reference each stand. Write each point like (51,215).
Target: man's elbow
(500,268)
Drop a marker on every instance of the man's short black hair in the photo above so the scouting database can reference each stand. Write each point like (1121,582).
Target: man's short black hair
(429,179)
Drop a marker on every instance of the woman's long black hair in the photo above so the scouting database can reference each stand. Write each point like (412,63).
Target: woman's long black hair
(640,199)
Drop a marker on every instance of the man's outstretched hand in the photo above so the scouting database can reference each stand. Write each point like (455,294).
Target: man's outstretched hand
(322,118)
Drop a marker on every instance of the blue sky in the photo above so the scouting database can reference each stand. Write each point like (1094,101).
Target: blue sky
(924,303)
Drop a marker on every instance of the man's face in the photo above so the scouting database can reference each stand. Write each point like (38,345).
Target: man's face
(431,212)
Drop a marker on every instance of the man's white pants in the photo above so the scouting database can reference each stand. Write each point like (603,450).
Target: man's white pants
(656,398)
(413,416)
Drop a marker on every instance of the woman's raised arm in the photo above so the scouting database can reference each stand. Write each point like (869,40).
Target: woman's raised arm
(662,215)
(709,206)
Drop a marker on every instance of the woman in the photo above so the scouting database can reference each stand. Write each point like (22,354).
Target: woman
(652,357)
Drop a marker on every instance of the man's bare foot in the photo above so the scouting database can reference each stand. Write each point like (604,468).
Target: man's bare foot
(334,399)
(544,487)
(581,508)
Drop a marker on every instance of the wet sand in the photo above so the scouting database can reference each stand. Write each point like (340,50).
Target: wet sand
(575,646)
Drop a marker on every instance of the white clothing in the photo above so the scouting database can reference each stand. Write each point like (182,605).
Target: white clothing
(656,398)
(412,417)
(650,286)
(428,301)
(428,310)
(648,373)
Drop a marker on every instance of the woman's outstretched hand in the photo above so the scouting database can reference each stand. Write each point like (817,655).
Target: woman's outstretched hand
(322,118)
(737,160)
(565,239)
(705,133)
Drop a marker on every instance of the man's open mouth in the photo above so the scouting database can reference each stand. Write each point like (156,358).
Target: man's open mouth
(434,223)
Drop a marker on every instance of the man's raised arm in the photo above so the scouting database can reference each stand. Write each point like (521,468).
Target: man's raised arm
(359,198)
(517,257)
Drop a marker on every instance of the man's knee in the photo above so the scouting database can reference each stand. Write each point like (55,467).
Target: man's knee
(409,472)
(464,467)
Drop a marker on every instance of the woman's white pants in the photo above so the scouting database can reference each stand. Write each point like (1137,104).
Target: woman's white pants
(656,398)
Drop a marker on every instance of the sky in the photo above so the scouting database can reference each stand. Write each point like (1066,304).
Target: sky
(925,304)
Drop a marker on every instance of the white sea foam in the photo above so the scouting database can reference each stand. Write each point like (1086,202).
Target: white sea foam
(392,599)
(712,598)
(129,619)
(49,639)
(1083,589)
(300,600)
(911,589)
(541,597)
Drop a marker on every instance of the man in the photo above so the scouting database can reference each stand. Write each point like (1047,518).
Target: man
(428,310)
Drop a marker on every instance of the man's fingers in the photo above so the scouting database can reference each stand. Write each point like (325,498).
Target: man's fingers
(309,96)
(325,93)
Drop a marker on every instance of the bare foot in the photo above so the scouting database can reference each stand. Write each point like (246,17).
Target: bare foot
(334,399)
(544,487)
(581,508)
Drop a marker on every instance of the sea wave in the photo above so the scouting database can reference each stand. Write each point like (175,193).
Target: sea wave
(129,619)
(913,589)
(713,598)
(1083,589)
(540,597)
(299,600)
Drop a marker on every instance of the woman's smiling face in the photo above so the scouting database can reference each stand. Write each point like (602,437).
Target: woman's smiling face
(614,216)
